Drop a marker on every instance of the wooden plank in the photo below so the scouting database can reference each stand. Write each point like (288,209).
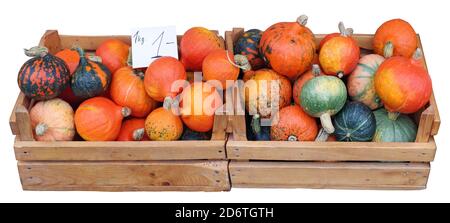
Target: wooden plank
(89,43)
(331,151)
(425,125)
(329,175)
(23,123)
(22,101)
(437,118)
(125,176)
(51,40)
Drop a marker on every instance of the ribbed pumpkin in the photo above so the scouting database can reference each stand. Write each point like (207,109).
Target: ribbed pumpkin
(195,45)
(133,130)
(394,127)
(44,76)
(161,76)
(99,119)
(259,90)
(72,59)
(293,124)
(354,123)
(259,132)
(403,84)
(162,124)
(248,45)
(399,33)
(189,134)
(127,89)
(349,31)
(114,54)
(360,83)
(322,97)
(340,54)
(288,47)
(298,84)
(199,102)
(90,78)
(52,120)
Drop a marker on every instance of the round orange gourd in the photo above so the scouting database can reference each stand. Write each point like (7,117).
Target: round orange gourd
(398,32)
(293,124)
(222,66)
(114,54)
(133,130)
(199,102)
(99,119)
(298,84)
(161,76)
(72,59)
(339,55)
(52,120)
(162,124)
(127,89)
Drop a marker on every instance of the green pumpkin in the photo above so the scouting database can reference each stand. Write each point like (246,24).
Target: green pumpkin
(394,127)
(354,123)
(322,97)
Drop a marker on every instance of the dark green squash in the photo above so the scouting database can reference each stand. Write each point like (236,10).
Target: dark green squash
(90,78)
(247,45)
(189,134)
(354,123)
(44,76)
(259,133)
(394,127)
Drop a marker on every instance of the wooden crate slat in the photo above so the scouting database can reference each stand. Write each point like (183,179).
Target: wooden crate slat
(329,175)
(21,101)
(125,176)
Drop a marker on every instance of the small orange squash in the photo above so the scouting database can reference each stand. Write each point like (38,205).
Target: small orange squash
(293,124)
(99,119)
(133,130)
(222,66)
(114,54)
(162,124)
(399,33)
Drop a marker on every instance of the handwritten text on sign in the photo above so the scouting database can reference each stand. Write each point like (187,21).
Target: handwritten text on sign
(149,44)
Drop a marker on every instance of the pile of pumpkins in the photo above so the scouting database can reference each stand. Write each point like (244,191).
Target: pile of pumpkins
(356,97)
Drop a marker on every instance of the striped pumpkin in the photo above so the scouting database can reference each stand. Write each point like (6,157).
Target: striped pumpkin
(394,127)
(354,123)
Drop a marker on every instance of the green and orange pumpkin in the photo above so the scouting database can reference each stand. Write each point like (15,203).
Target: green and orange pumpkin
(72,59)
(293,124)
(248,45)
(298,84)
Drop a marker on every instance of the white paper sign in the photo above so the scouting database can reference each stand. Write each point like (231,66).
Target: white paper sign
(149,44)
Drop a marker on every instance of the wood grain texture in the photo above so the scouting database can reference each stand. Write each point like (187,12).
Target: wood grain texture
(21,101)
(51,40)
(425,126)
(23,122)
(125,176)
(329,175)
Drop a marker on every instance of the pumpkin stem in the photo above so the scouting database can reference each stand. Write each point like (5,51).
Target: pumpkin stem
(96,59)
(418,54)
(388,50)
(126,112)
(316,70)
(327,125)
(167,104)
(242,62)
(322,136)
(138,134)
(41,128)
(340,74)
(139,73)
(130,58)
(256,125)
(40,51)
(342,29)
(393,115)
(302,20)
(80,51)
(292,138)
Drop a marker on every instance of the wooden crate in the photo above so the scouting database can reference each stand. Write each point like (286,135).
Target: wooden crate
(357,165)
(115,166)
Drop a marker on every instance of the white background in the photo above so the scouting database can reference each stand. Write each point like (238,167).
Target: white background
(23,23)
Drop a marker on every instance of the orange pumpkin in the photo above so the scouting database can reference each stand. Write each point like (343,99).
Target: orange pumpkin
(195,45)
(340,54)
(99,119)
(398,32)
(258,92)
(72,59)
(114,54)
(133,130)
(162,124)
(161,76)
(199,102)
(127,89)
(298,84)
(218,66)
(293,124)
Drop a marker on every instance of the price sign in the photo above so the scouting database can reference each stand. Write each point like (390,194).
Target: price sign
(149,44)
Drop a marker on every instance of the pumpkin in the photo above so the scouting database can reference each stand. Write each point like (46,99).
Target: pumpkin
(114,54)
(248,45)
(340,54)
(99,119)
(298,84)
(52,120)
(127,89)
(259,132)
(288,47)
(133,130)
(393,127)
(162,76)
(90,78)
(331,35)
(189,134)
(162,124)
(322,97)
(44,76)
(399,33)
(199,102)
(259,91)
(195,45)
(360,83)
(293,124)
(403,84)
(72,59)
(354,123)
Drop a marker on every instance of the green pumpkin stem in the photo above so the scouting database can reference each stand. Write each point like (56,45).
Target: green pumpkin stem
(80,51)
(292,138)
(256,125)
(316,70)
(327,125)
(96,59)
(138,134)
(167,104)
(418,54)
(393,115)
(242,62)
(302,20)
(388,50)
(322,136)
(41,129)
(37,51)
(125,112)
